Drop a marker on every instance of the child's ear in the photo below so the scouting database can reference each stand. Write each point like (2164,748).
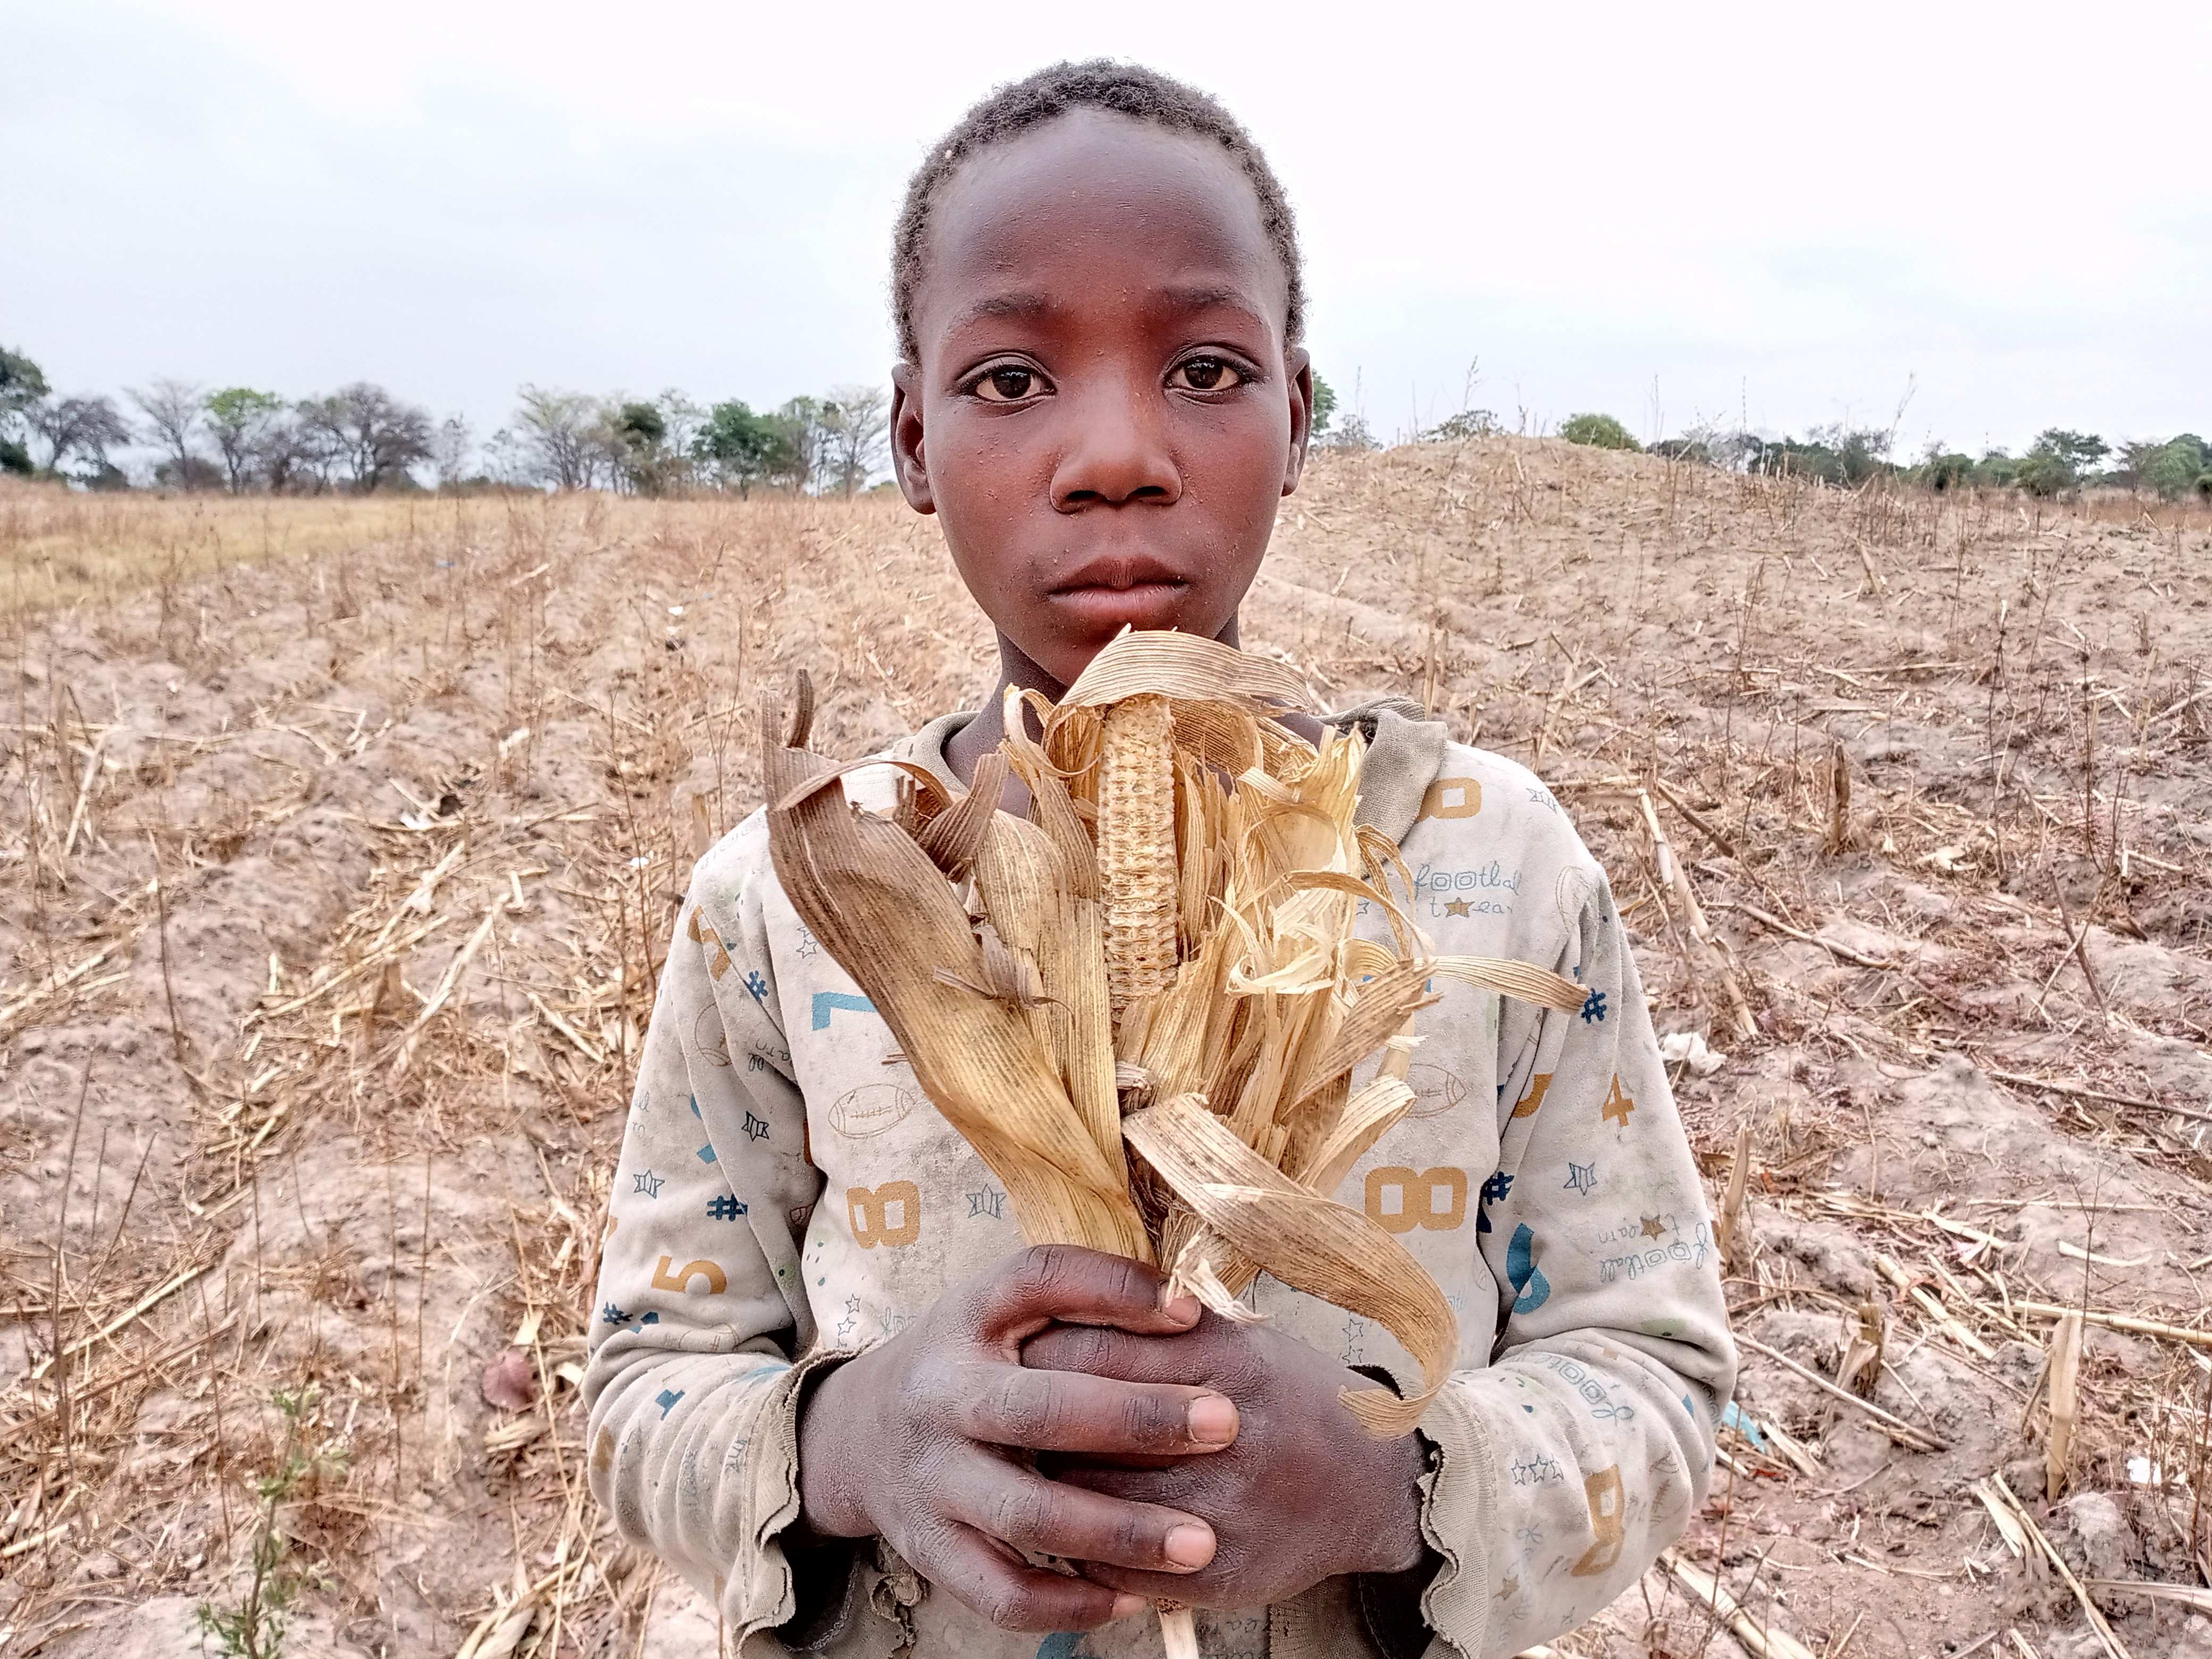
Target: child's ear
(908,459)
(1299,363)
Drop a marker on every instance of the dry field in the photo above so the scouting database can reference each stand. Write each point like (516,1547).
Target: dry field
(340,847)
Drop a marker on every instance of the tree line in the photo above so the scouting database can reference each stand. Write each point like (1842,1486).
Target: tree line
(362,439)
(2060,462)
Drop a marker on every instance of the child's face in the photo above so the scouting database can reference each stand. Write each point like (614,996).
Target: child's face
(1106,412)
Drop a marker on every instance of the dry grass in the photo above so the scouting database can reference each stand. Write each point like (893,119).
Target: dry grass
(67,548)
(342,838)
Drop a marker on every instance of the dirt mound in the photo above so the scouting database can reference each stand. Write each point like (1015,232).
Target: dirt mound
(335,877)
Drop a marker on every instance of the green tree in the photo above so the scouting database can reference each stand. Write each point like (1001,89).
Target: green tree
(238,418)
(637,434)
(743,448)
(2075,451)
(1598,432)
(22,384)
(2043,473)
(1943,470)
(2057,461)
(2173,468)
(1324,407)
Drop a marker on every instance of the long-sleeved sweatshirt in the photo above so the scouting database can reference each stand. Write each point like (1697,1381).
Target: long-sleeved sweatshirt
(786,1196)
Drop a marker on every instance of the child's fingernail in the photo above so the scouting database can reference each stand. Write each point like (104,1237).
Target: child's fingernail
(1129,1607)
(1183,1308)
(1213,1419)
(1189,1545)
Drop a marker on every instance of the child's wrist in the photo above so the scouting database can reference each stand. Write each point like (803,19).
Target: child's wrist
(1394,1543)
(829,1503)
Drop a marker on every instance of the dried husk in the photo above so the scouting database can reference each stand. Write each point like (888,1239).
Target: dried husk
(886,912)
(1234,1059)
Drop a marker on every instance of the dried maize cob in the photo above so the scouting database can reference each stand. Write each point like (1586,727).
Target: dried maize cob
(1137,846)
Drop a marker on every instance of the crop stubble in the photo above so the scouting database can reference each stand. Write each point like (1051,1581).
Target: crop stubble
(343,841)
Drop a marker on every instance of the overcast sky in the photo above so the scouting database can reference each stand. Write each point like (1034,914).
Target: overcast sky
(1772,214)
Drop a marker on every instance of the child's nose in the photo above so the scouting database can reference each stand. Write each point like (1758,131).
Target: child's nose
(1118,451)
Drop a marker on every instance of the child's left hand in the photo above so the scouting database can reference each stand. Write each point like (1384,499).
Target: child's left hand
(1304,1493)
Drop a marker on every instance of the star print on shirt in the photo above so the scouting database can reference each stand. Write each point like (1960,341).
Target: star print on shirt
(755,1128)
(1458,908)
(1653,1227)
(644,1180)
(1581,1178)
(989,1201)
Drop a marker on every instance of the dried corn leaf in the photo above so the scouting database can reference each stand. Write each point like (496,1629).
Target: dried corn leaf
(1310,1242)
(885,912)
(1186,667)
(1022,880)
(1173,922)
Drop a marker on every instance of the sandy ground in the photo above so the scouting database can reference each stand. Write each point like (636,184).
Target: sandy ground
(332,884)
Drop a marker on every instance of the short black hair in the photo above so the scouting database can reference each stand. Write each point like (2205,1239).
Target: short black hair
(1128,89)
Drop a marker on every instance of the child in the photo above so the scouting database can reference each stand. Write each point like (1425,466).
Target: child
(828,1384)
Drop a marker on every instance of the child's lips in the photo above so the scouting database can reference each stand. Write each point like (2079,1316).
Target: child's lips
(1141,604)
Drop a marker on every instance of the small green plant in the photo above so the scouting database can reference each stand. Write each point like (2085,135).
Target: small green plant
(255,1628)
(1598,431)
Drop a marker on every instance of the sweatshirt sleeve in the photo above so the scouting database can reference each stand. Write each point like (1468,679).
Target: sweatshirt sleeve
(692,1388)
(1563,1467)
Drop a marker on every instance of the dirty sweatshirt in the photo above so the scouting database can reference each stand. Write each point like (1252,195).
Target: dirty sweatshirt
(786,1196)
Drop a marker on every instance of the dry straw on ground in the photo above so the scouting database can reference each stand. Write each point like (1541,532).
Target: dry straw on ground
(341,847)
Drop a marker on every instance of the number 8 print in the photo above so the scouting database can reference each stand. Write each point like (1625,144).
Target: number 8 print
(872,1209)
(1400,1199)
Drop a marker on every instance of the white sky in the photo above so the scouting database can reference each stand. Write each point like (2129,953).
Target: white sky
(1773,212)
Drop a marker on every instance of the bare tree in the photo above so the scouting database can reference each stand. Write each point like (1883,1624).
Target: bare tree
(450,449)
(855,420)
(563,435)
(172,409)
(85,428)
(376,435)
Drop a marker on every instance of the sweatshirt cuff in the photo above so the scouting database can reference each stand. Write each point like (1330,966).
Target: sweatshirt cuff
(763,1597)
(1458,1506)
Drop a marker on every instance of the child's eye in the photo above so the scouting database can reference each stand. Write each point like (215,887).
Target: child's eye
(1206,374)
(1009,383)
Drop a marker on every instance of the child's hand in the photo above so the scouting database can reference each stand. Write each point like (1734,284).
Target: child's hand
(1304,1493)
(920,1441)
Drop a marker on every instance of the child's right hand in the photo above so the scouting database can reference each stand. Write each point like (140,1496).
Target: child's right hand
(921,1440)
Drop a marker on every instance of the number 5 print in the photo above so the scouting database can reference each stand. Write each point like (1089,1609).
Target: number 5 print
(680,1281)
